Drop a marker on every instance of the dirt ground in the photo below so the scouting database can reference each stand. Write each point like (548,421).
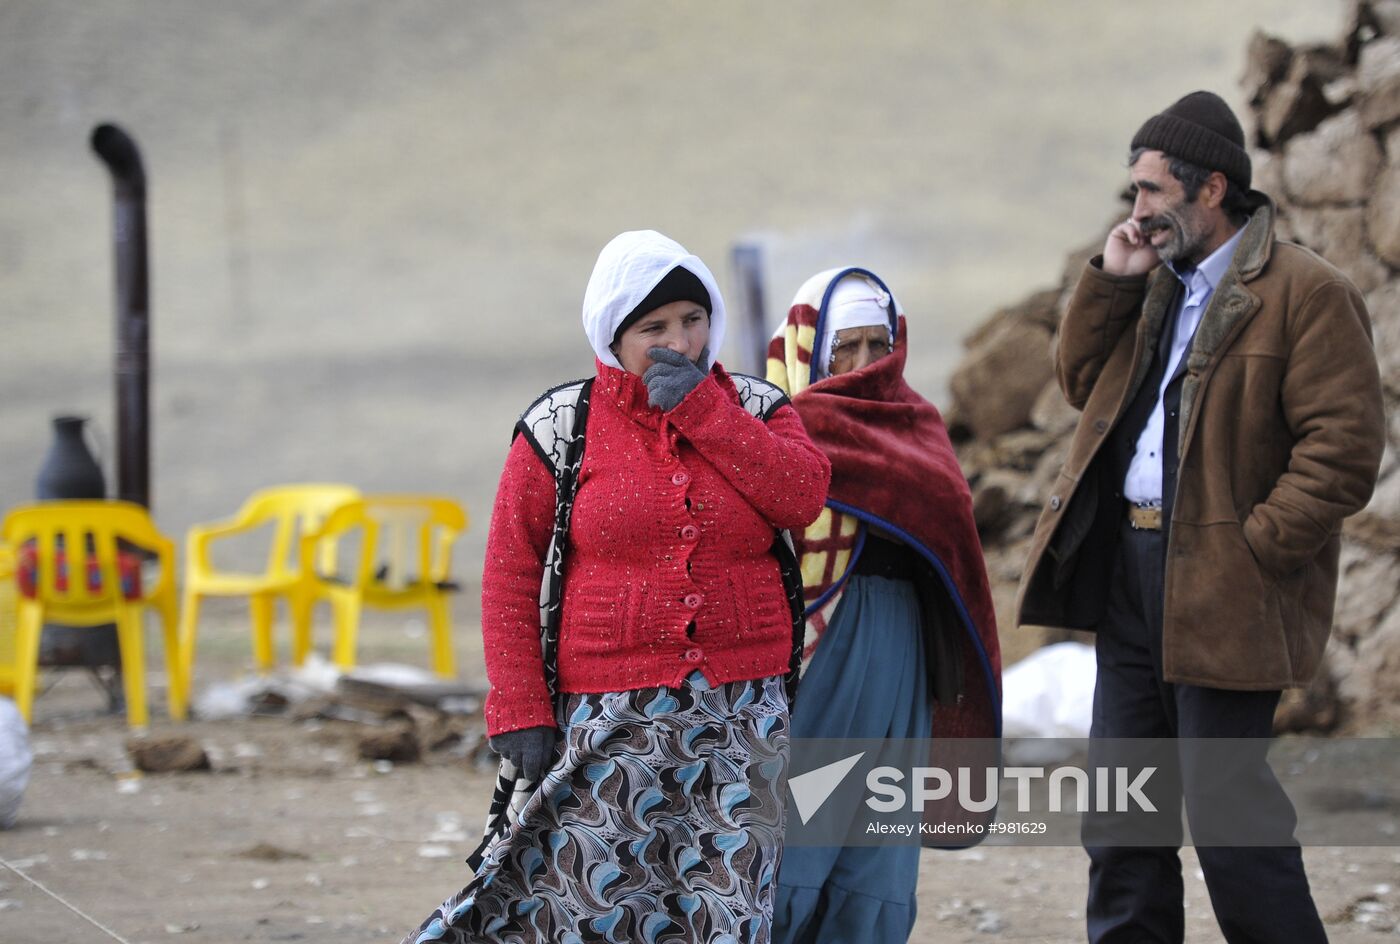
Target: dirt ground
(291,837)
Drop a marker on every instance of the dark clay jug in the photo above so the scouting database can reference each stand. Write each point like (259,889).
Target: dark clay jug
(69,470)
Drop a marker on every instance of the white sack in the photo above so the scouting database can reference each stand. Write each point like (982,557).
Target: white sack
(15,761)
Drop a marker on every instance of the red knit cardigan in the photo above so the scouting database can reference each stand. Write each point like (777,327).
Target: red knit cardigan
(672,526)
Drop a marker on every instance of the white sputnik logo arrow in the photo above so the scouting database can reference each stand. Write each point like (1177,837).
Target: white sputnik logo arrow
(812,789)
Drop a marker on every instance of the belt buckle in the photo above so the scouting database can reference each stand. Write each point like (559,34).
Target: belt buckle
(1145,517)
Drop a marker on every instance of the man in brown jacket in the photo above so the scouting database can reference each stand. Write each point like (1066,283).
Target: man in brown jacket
(1232,417)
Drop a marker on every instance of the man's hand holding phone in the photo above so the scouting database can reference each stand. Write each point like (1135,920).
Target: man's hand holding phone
(1128,252)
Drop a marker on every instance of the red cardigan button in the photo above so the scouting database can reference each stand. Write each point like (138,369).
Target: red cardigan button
(694,655)
(680,478)
(693,600)
(690,532)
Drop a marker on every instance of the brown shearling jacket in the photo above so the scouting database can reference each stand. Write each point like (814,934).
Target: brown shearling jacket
(1280,436)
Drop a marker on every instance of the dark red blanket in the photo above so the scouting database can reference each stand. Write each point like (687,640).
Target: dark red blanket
(893,466)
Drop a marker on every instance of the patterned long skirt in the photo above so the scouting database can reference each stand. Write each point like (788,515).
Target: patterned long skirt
(661,820)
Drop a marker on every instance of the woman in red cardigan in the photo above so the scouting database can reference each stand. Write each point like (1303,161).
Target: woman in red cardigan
(648,721)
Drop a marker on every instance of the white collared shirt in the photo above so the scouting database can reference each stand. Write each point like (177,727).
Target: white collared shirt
(1143,483)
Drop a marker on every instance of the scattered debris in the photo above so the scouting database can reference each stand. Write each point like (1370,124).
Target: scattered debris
(88,855)
(476,748)
(173,753)
(989,922)
(407,712)
(399,744)
(975,915)
(266,694)
(1366,911)
(449,828)
(267,852)
(1343,799)
(319,687)
(436,730)
(406,682)
(83,763)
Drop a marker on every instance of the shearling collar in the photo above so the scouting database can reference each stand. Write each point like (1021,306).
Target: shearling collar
(1257,244)
(1232,302)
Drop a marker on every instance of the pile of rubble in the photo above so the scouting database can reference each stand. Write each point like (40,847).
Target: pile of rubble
(394,714)
(1326,147)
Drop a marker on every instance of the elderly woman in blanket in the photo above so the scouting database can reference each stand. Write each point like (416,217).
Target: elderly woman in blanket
(901,637)
(642,620)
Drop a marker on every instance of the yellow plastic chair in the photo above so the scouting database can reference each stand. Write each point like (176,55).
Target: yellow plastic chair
(9,608)
(405,552)
(78,597)
(293,511)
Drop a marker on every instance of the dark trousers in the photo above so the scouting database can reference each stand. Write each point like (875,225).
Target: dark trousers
(1259,893)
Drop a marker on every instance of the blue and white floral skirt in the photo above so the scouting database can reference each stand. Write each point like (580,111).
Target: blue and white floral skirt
(661,820)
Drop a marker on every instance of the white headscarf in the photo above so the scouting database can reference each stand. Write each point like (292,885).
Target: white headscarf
(856,302)
(628,268)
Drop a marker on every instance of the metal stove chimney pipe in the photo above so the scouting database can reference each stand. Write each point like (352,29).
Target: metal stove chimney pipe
(119,152)
(747,259)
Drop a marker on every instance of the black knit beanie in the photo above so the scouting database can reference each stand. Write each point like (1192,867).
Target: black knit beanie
(678,285)
(1202,129)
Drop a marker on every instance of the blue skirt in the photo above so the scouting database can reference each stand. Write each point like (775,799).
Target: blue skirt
(867,679)
(661,820)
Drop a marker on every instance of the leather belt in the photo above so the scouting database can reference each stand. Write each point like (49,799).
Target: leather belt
(1145,517)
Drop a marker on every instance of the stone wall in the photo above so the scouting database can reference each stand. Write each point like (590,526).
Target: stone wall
(1325,126)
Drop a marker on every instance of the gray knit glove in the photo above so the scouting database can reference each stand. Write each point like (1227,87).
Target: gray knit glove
(529,749)
(671,377)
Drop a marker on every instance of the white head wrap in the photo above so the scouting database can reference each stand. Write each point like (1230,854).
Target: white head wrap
(856,302)
(628,268)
